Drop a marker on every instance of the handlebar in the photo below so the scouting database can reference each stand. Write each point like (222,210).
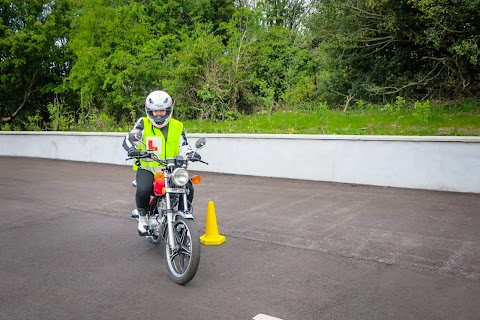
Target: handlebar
(143,154)
(150,155)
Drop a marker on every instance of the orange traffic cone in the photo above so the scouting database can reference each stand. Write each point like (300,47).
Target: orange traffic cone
(211,236)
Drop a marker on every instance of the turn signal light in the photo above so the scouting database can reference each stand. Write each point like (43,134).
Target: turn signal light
(196,179)
(159,176)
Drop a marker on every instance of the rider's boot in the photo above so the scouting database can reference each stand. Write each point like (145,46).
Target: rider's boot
(142,222)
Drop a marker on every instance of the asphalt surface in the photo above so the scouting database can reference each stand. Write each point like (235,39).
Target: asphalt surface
(295,250)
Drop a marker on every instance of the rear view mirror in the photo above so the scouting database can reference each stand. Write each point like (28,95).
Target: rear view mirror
(200,143)
(135,135)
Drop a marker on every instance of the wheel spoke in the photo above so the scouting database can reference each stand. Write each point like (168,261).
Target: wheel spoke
(186,250)
(177,237)
(181,235)
(181,238)
(181,257)
(174,255)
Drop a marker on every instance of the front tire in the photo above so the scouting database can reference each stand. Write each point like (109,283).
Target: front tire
(182,262)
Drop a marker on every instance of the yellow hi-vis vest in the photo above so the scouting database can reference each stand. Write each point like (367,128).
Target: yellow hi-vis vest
(154,140)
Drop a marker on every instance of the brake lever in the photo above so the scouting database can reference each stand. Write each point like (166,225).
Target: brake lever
(198,160)
(147,155)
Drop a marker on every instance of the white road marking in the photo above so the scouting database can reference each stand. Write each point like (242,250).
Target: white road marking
(264,317)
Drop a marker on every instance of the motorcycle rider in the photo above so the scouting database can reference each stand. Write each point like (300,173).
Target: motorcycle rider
(166,137)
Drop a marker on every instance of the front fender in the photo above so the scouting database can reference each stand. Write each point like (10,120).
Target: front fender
(183,214)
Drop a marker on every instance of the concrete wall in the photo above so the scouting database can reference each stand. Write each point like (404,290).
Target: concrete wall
(436,163)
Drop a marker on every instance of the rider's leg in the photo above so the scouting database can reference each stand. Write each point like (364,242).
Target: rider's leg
(142,198)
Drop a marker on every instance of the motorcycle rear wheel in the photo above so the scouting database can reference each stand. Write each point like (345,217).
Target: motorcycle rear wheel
(182,262)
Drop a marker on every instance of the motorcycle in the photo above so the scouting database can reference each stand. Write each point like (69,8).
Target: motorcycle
(170,216)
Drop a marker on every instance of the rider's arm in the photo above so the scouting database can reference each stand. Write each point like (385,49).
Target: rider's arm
(130,145)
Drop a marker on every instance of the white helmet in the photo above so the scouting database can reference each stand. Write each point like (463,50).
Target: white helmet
(159,100)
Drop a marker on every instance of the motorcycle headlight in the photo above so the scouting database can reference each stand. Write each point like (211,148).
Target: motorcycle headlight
(180,177)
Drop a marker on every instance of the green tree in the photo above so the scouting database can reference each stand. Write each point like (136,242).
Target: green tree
(284,13)
(210,75)
(252,67)
(124,48)
(387,48)
(33,59)
(117,58)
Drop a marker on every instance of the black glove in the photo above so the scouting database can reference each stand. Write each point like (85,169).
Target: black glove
(195,156)
(134,153)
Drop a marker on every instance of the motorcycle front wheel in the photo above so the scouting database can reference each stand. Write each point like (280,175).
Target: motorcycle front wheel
(183,261)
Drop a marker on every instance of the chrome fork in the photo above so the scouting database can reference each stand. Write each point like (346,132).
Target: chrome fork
(171,240)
